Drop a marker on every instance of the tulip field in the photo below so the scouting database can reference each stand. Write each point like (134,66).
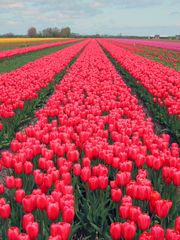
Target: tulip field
(80,155)
(18,51)
(168,57)
(165,44)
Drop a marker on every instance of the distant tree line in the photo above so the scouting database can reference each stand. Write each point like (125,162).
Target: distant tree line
(49,32)
(66,32)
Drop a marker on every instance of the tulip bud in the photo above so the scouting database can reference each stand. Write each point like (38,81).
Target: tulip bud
(23,236)
(177,224)
(103,182)
(53,211)
(162,207)
(129,230)
(93,183)
(124,211)
(41,202)
(27,218)
(143,221)
(116,195)
(68,214)
(5,211)
(18,182)
(28,167)
(115,230)
(146,236)
(157,232)
(13,233)
(32,230)
(1,188)
(19,195)
(28,203)
(10,182)
(77,169)
(85,173)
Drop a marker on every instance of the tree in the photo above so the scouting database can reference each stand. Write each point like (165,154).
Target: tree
(32,32)
(65,32)
(47,32)
(8,35)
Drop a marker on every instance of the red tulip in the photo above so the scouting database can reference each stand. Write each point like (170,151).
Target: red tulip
(48,180)
(162,207)
(5,211)
(28,203)
(172,234)
(103,182)
(10,182)
(19,195)
(41,202)
(13,233)
(176,178)
(55,229)
(66,177)
(134,213)
(77,169)
(116,195)
(115,230)
(27,218)
(73,156)
(146,236)
(65,230)
(18,183)
(143,221)
(129,230)
(123,178)
(23,236)
(157,232)
(52,211)
(28,167)
(85,173)
(15,145)
(140,160)
(18,167)
(124,211)
(1,188)
(32,230)
(177,224)
(93,183)
(68,214)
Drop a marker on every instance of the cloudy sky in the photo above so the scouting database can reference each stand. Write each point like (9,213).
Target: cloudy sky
(140,17)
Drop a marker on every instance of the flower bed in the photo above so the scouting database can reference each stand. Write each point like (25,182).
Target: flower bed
(91,164)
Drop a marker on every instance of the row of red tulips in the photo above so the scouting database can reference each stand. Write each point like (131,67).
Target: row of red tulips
(24,83)
(162,82)
(18,51)
(166,57)
(91,133)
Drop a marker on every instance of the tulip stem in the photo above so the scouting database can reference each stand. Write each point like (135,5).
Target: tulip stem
(163,223)
(117,211)
(4,228)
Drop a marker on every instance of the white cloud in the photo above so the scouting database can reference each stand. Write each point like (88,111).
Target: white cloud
(87,16)
(10,4)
